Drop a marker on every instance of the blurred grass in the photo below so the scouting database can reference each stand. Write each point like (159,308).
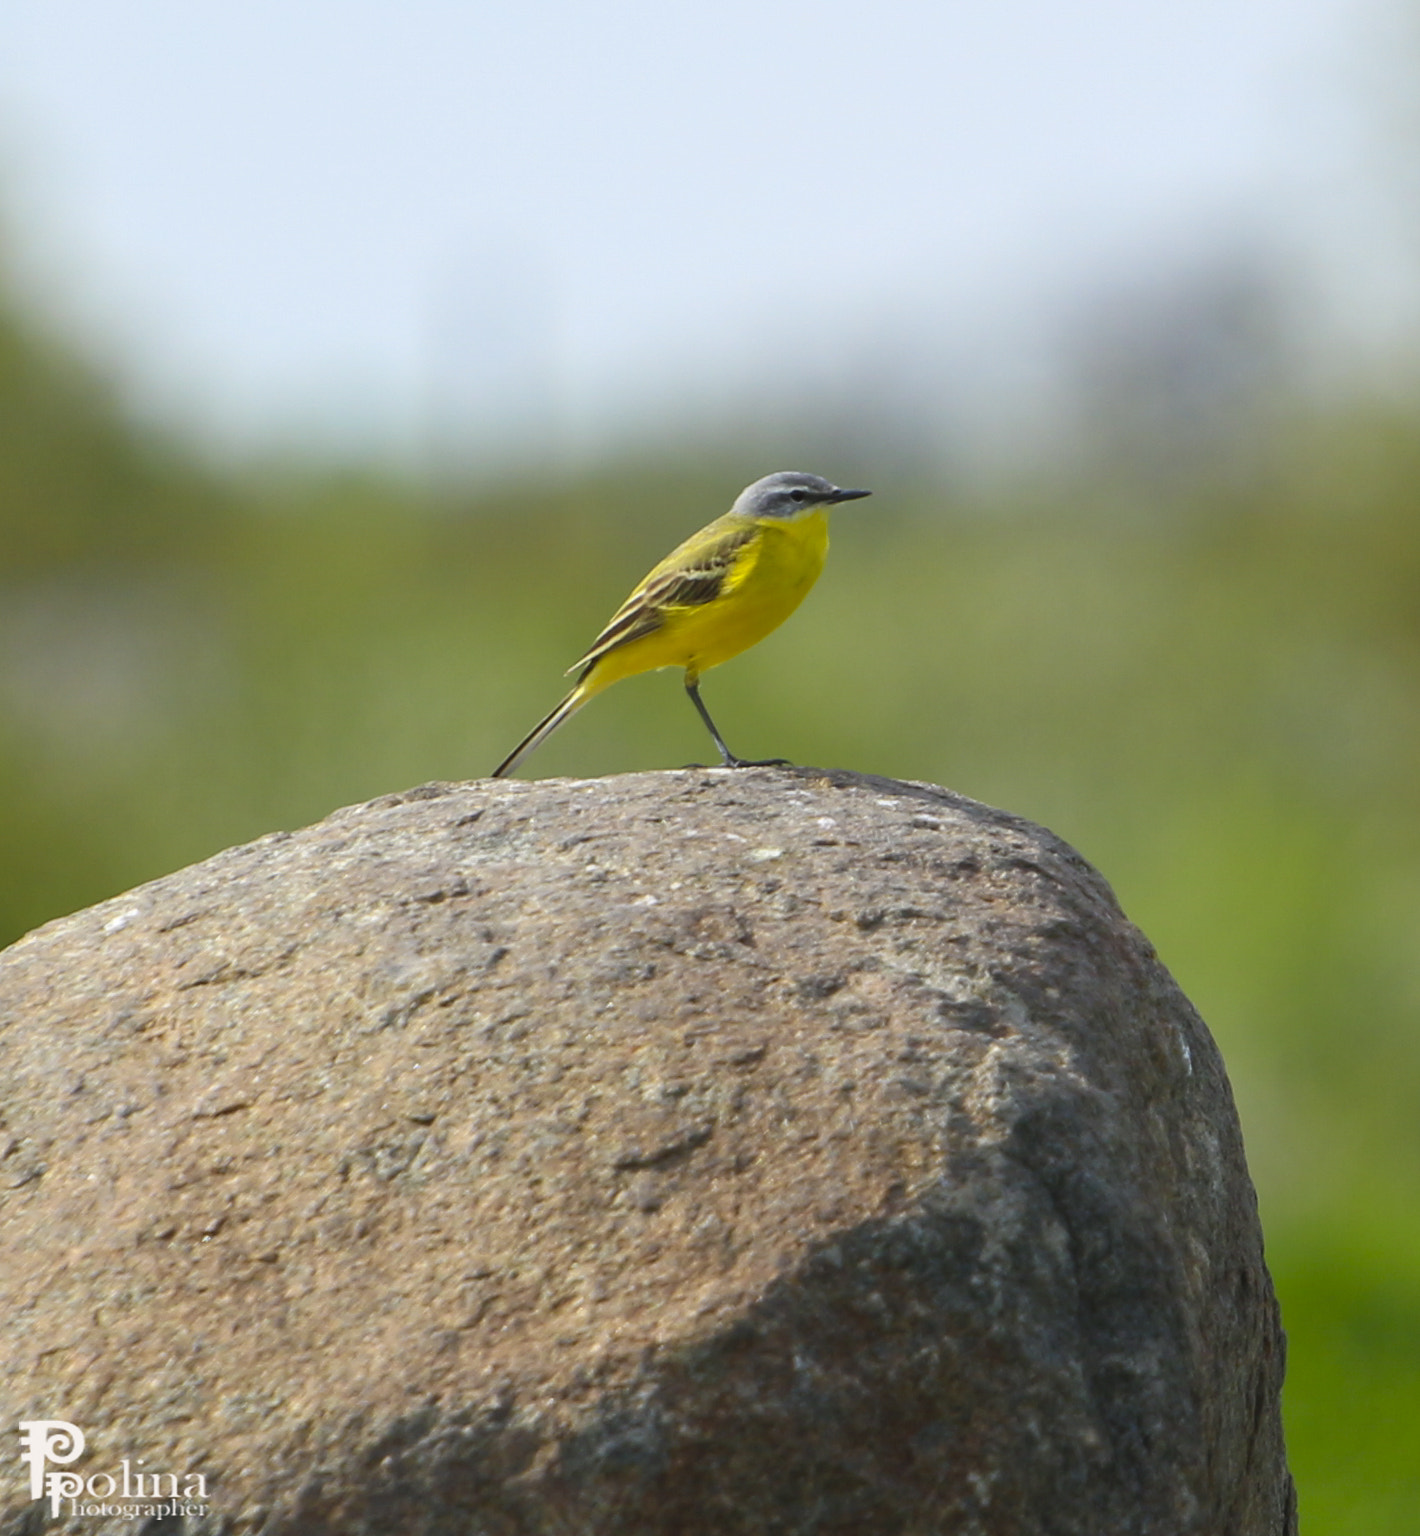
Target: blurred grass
(1214,693)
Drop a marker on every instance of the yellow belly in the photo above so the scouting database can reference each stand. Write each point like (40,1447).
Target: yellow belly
(772,578)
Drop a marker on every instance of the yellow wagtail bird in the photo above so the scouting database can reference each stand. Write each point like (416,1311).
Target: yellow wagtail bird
(714,596)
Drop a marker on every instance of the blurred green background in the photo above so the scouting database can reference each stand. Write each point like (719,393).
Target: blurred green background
(1203,672)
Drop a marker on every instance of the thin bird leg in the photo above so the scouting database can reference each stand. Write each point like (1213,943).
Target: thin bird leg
(692,687)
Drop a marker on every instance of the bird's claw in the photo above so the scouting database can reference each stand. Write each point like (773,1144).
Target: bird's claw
(745,762)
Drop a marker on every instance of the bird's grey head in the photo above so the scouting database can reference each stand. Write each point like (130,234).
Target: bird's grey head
(790,494)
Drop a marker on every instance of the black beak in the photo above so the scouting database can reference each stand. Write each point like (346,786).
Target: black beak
(848,495)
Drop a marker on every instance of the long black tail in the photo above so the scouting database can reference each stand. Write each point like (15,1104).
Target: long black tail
(543,729)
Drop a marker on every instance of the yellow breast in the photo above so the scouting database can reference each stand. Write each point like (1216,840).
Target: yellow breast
(770,578)
(768,583)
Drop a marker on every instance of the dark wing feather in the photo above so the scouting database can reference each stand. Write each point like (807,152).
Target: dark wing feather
(668,586)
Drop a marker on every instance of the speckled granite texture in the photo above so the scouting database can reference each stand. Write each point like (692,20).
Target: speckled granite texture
(772,1151)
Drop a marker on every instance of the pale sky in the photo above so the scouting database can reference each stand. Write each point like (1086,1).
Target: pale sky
(339,210)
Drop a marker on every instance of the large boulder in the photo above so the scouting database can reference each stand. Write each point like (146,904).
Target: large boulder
(694,1152)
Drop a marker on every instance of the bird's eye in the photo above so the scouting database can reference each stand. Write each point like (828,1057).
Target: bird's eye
(797,495)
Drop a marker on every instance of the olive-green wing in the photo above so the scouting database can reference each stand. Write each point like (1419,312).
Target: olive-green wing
(693,573)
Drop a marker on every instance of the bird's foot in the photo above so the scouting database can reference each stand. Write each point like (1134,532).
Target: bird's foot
(744,762)
(729,760)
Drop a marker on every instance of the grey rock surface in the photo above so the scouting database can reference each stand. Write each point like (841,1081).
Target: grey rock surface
(765,1151)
